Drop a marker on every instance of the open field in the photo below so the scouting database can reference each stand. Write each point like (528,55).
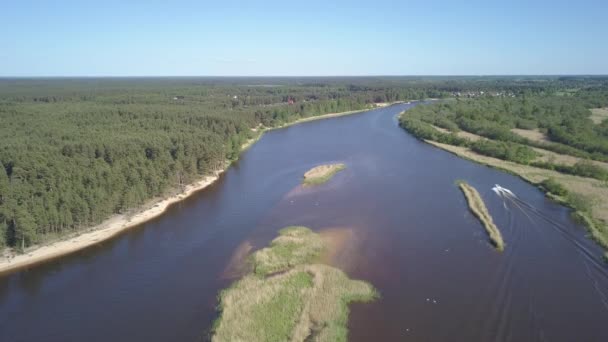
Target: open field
(599,114)
(531,134)
(478,208)
(461,134)
(543,155)
(289,297)
(558,158)
(322,173)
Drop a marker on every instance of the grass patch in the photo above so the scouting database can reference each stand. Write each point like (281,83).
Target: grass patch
(304,301)
(531,134)
(598,115)
(294,246)
(550,185)
(478,208)
(322,173)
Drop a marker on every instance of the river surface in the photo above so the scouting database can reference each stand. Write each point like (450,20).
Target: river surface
(410,234)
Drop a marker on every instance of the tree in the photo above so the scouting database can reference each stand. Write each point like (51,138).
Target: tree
(24,227)
(4,184)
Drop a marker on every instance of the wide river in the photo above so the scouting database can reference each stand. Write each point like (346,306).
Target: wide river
(405,228)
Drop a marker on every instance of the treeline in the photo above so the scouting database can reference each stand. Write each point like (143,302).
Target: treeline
(498,149)
(75,151)
(564,119)
(563,116)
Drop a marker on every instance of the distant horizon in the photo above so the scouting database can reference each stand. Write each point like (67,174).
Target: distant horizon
(302,76)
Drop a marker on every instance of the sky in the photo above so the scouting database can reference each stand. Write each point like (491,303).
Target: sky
(302,38)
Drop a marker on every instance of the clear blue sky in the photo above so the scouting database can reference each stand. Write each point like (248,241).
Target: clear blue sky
(223,37)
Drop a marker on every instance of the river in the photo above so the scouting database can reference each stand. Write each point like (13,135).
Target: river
(410,235)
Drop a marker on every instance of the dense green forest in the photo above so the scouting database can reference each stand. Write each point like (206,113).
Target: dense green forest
(75,151)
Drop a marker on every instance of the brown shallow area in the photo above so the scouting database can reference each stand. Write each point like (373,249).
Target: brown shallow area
(238,265)
(342,246)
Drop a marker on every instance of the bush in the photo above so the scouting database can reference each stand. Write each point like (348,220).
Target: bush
(582,169)
(552,186)
(580,202)
(588,169)
(504,150)
(424,131)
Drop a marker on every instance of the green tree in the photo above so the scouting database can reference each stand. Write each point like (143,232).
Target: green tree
(24,228)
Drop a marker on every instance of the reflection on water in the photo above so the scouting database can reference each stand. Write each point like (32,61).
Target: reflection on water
(393,218)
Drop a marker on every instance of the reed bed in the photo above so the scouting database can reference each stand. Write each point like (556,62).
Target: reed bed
(479,209)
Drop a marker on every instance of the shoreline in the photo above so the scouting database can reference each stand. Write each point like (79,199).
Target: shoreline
(534,177)
(106,230)
(119,223)
(593,188)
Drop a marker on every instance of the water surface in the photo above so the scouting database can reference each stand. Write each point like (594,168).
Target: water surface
(413,239)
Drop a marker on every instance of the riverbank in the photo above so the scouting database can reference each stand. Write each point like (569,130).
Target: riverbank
(104,231)
(588,197)
(589,193)
(12,260)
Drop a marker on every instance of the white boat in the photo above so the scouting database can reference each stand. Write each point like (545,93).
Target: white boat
(499,190)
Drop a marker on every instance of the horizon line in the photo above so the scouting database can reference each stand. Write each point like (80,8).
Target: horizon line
(300,76)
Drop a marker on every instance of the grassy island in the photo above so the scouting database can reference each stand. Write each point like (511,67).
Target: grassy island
(478,208)
(322,173)
(289,297)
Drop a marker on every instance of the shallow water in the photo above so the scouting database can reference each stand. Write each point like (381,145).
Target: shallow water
(409,233)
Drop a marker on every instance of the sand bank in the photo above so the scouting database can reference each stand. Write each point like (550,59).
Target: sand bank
(107,229)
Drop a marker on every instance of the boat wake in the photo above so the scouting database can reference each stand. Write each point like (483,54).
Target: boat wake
(503,192)
(591,260)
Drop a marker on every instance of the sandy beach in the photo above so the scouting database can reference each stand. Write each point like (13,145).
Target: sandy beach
(116,224)
(106,230)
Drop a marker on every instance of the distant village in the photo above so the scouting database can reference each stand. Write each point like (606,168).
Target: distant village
(472,94)
(465,94)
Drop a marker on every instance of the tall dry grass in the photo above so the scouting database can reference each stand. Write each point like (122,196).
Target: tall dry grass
(478,208)
(322,173)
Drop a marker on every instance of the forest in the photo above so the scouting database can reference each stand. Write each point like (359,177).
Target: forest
(75,151)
